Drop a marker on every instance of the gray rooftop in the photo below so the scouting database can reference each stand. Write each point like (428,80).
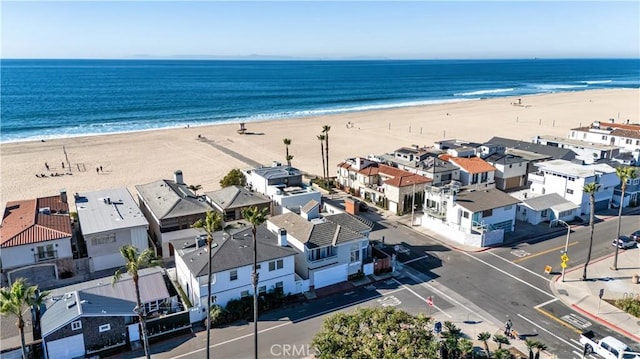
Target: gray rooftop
(551,200)
(314,234)
(349,221)
(574,169)
(276,172)
(166,199)
(504,159)
(482,200)
(233,251)
(236,197)
(100,298)
(578,143)
(554,152)
(310,205)
(108,210)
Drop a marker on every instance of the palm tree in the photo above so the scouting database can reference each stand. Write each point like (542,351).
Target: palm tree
(465,347)
(591,189)
(325,130)
(195,188)
(539,346)
(624,173)
(502,354)
(321,137)
(451,334)
(531,344)
(484,338)
(133,263)
(212,222)
(256,217)
(17,299)
(287,142)
(501,339)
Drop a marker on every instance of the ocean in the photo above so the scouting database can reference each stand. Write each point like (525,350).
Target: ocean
(43,99)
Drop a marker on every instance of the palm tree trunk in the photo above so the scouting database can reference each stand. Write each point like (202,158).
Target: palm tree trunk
(615,256)
(23,345)
(209,299)
(145,339)
(287,158)
(255,295)
(324,170)
(592,226)
(326,150)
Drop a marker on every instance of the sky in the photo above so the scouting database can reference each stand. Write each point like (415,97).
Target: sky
(324,30)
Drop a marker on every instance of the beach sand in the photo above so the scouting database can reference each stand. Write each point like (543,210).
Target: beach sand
(141,157)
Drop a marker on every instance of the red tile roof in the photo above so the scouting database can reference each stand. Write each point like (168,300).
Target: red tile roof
(472,165)
(370,171)
(401,178)
(23,224)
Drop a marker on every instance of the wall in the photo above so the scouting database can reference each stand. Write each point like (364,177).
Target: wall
(19,256)
(107,255)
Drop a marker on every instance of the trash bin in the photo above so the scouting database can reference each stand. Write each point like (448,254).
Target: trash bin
(635,279)
(437,327)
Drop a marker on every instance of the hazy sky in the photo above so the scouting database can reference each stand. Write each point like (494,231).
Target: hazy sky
(336,29)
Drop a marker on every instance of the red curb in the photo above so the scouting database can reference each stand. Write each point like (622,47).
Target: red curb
(612,326)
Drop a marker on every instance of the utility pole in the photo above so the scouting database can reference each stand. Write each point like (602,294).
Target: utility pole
(413,203)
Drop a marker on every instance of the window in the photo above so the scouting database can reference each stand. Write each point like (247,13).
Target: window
(320,253)
(213,299)
(355,253)
(510,166)
(233,275)
(628,141)
(569,191)
(77,325)
(508,208)
(46,252)
(487,213)
(258,266)
(280,264)
(152,307)
(104,328)
(544,213)
(279,285)
(604,137)
(262,289)
(105,239)
(244,293)
(272,266)
(465,214)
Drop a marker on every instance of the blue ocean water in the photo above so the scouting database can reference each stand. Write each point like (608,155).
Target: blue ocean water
(43,99)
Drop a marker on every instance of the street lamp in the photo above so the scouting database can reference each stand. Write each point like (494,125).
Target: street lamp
(566,246)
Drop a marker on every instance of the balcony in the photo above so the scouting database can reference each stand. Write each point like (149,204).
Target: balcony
(45,255)
(536,178)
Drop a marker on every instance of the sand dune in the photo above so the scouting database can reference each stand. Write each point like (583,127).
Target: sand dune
(142,157)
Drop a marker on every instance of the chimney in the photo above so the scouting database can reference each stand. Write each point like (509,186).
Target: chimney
(178,177)
(282,237)
(351,205)
(358,163)
(63,196)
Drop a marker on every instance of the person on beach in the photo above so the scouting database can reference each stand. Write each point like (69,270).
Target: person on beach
(101,169)
(46,165)
(97,169)
(62,164)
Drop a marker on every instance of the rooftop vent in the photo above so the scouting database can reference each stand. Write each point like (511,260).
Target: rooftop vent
(44,210)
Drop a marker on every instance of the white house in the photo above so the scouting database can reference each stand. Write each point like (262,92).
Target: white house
(284,185)
(510,170)
(568,179)
(589,152)
(232,264)
(329,248)
(472,217)
(623,135)
(546,208)
(35,239)
(473,170)
(110,219)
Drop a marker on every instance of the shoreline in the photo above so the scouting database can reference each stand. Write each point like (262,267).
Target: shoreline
(133,158)
(329,112)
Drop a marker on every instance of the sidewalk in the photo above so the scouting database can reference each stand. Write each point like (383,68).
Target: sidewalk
(582,296)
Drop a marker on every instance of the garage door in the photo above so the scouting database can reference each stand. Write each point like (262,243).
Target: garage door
(67,348)
(333,275)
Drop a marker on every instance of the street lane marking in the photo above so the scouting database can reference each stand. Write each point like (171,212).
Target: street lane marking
(510,275)
(542,253)
(558,320)
(422,298)
(549,332)
(520,253)
(521,267)
(545,303)
(389,301)
(287,323)
(576,320)
(415,259)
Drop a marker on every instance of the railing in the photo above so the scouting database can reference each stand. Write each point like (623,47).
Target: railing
(45,256)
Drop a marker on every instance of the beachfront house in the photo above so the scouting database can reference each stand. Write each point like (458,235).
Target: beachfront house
(96,318)
(232,266)
(587,152)
(35,240)
(389,187)
(567,179)
(546,208)
(169,205)
(510,171)
(472,217)
(623,135)
(329,248)
(422,161)
(110,219)
(283,185)
(474,171)
(232,200)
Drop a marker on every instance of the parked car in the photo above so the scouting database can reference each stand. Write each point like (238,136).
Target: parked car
(635,236)
(607,347)
(624,242)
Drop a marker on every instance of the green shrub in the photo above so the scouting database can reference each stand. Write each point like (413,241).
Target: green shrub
(630,305)
(219,315)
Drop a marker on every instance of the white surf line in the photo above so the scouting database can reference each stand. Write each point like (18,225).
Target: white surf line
(415,259)
(288,323)
(549,332)
(545,303)
(509,274)
(424,299)
(521,267)
(448,297)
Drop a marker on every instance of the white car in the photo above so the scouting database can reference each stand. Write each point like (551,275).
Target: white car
(624,242)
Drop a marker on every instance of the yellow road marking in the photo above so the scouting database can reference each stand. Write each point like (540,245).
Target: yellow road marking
(560,321)
(541,253)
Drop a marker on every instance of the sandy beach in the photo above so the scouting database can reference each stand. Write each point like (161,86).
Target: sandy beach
(141,157)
